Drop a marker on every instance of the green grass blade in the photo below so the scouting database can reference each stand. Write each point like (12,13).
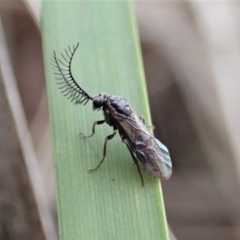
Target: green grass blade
(109,203)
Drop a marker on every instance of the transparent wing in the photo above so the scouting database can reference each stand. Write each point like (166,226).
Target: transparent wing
(151,153)
(158,161)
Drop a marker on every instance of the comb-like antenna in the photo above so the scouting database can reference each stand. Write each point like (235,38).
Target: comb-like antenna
(65,79)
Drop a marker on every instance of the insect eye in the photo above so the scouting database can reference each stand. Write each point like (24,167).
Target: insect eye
(97,103)
(98,100)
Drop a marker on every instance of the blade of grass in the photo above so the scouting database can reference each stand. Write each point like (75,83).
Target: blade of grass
(109,203)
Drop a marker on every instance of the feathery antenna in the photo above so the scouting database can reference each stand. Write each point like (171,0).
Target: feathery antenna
(68,85)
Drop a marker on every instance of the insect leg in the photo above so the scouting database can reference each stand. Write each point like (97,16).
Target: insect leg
(104,149)
(93,128)
(135,160)
(143,120)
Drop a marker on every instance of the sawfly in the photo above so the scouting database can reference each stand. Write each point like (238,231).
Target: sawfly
(145,149)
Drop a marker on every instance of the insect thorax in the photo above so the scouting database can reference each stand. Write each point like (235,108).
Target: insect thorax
(119,105)
(116,109)
(113,107)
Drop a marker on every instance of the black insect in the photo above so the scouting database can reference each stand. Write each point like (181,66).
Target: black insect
(144,148)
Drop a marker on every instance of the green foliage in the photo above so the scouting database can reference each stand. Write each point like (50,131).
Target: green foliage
(109,203)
